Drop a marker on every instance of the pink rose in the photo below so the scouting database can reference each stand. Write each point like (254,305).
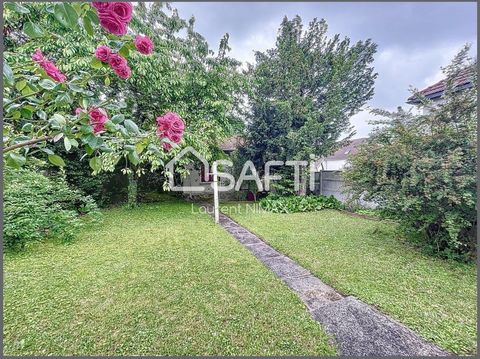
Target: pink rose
(53,71)
(143,44)
(123,72)
(79,110)
(163,124)
(123,10)
(117,62)
(101,5)
(98,117)
(169,118)
(174,137)
(171,126)
(177,125)
(48,66)
(112,23)
(166,146)
(98,128)
(103,53)
(38,56)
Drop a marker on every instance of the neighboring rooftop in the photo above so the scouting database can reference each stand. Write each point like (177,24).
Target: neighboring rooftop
(345,151)
(435,91)
(232,143)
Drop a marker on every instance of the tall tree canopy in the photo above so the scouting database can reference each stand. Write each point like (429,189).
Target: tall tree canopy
(305,90)
(185,76)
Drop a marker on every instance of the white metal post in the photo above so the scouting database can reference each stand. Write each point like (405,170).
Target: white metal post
(215,192)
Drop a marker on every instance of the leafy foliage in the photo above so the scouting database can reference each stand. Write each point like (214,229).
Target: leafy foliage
(78,175)
(422,167)
(186,76)
(182,75)
(292,204)
(39,112)
(37,206)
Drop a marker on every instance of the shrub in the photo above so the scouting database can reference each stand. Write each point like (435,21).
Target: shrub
(421,168)
(78,174)
(38,207)
(292,204)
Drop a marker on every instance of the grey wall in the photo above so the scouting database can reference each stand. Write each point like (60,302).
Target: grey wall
(331,183)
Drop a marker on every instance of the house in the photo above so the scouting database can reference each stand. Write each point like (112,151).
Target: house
(328,176)
(337,161)
(435,92)
(199,174)
(231,144)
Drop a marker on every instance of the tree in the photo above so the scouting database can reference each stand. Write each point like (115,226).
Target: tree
(305,90)
(421,168)
(180,75)
(186,76)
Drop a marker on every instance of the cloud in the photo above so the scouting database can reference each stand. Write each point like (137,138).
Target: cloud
(399,68)
(360,123)
(262,39)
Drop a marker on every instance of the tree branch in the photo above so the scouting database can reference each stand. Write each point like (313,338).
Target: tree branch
(26,143)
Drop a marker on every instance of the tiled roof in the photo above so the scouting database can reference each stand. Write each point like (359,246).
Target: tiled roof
(464,80)
(232,143)
(345,151)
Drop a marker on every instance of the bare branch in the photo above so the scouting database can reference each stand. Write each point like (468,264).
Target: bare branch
(26,143)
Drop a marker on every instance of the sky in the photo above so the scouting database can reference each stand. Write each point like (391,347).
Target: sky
(414,39)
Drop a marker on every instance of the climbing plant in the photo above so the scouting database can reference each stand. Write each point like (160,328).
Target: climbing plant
(48,101)
(113,82)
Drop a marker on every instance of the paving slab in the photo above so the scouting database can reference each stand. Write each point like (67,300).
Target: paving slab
(263,251)
(361,330)
(285,268)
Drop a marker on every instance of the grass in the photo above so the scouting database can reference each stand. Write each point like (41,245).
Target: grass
(366,259)
(157,280)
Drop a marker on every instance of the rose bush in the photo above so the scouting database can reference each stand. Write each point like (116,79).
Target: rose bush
(114,16)
(183,70)
(40,98)
(170,126)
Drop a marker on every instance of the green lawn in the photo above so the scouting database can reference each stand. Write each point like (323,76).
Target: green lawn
(365,258)
(157,280)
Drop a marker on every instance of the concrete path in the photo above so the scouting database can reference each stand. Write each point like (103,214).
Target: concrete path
(357,328)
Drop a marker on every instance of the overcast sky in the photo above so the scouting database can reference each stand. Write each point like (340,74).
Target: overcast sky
(414,39)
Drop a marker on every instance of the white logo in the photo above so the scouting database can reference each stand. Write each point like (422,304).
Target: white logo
(221,177)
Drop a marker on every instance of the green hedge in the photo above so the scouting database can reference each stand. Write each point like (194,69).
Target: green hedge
(38,207)
(292,204)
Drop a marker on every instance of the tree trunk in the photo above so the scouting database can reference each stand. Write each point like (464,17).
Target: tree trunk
(132,190)
(303,183)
